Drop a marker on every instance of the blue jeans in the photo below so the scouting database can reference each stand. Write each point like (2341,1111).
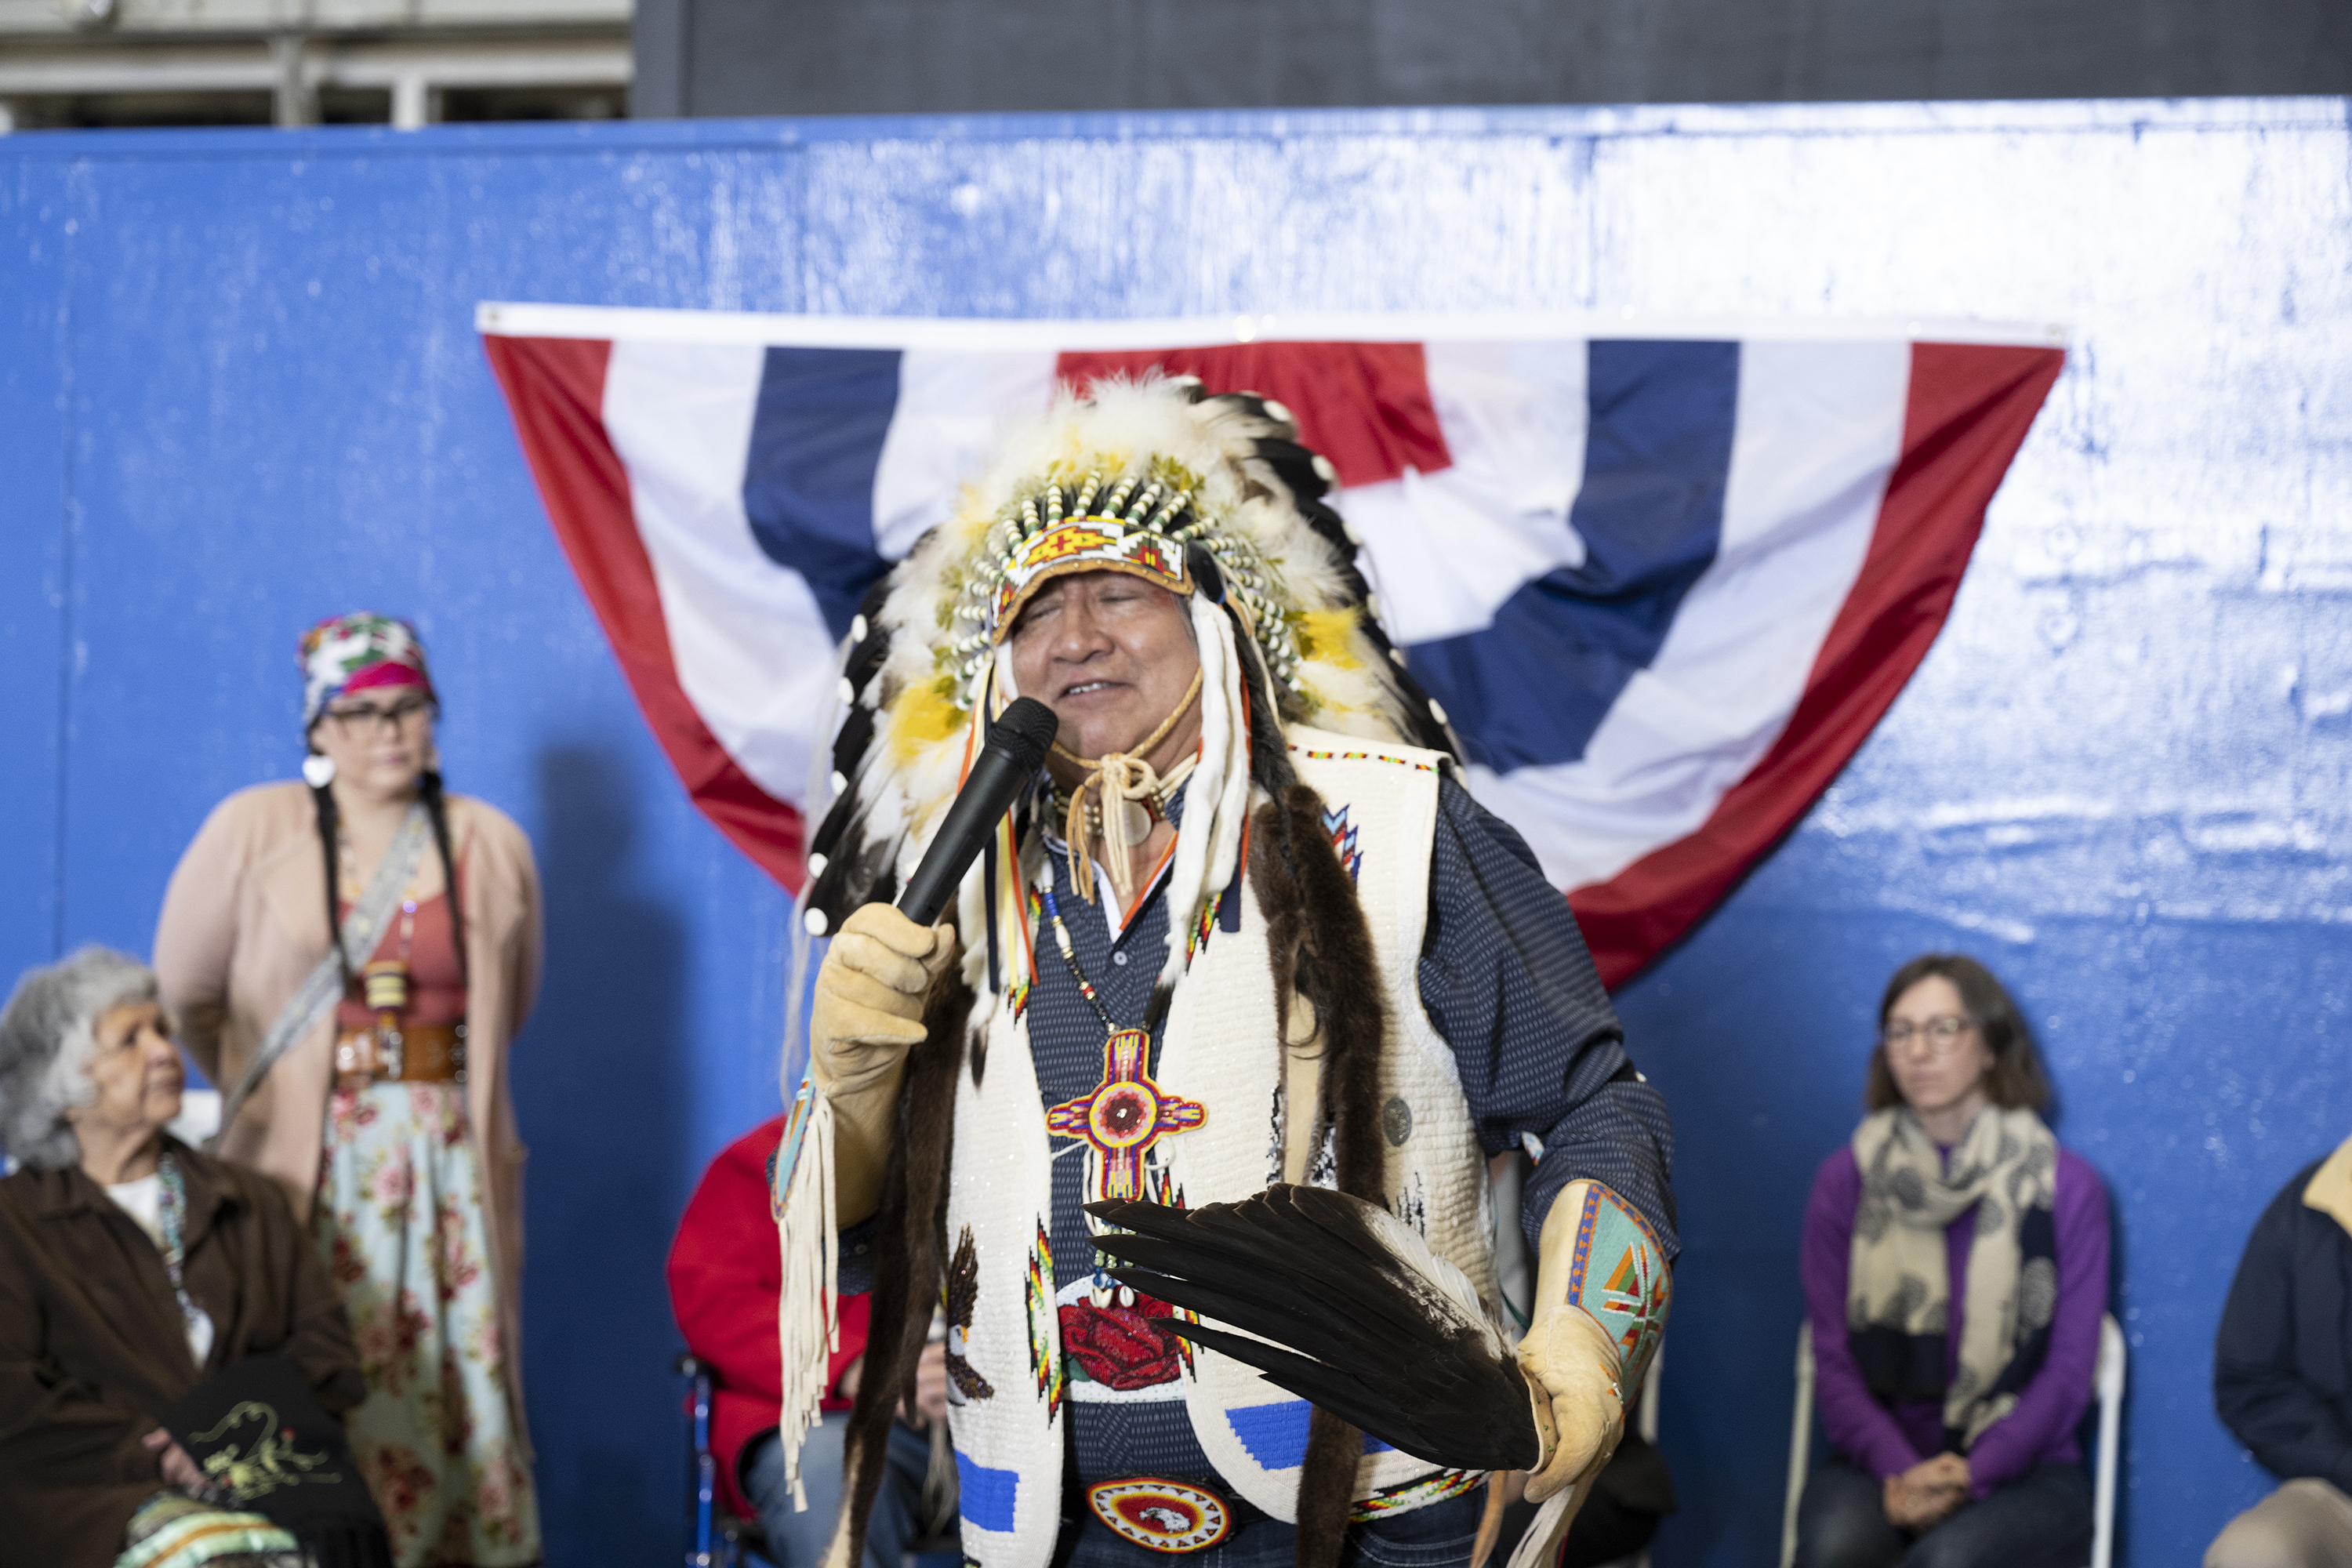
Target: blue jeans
(1438,1536)
(799,1540)
(2042,1520)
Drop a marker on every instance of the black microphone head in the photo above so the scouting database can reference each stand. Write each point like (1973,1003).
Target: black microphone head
(1024,732)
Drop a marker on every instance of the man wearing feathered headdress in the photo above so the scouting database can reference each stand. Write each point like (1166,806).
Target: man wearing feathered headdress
(1247,929)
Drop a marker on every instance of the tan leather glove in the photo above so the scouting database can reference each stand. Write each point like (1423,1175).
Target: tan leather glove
(1602,1290)
(1573,1369)
(866,1015)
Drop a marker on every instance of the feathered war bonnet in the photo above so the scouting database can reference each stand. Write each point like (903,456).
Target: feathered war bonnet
(1212,497)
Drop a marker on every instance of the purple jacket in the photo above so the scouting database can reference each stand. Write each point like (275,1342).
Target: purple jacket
(1886,1441)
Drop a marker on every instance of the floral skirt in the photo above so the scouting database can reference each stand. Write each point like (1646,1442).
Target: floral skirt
(399,1219)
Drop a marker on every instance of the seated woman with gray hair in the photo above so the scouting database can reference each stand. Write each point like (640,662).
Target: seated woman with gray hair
(133,1268)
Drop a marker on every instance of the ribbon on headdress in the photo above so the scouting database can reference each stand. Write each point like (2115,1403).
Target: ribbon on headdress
(358,652)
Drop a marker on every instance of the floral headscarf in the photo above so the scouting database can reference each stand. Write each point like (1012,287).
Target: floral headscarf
(358,652)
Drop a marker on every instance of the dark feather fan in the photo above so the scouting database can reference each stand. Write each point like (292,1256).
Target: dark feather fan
(1364,1319)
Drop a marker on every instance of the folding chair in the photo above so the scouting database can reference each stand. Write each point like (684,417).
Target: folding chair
(2107,1386)
(718,1539)
(715,1538)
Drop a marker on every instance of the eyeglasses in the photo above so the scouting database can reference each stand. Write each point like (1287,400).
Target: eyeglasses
(367,719)
(1938,1034)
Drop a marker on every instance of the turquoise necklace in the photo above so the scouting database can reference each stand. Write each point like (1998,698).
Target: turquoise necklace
(172,1217)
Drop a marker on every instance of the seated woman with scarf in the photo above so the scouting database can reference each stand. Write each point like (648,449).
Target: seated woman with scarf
(131,1269)
(1954,1269)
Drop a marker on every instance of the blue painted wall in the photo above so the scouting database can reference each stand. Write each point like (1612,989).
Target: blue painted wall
(239,389)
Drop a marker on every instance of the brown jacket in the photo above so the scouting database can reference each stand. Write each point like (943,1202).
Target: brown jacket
(92,1350)
(244,920)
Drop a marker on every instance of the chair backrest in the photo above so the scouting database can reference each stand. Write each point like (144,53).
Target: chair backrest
(702,1466)
(2107,1385)
(2107,1381)
(1645,1417)
(1800,1443)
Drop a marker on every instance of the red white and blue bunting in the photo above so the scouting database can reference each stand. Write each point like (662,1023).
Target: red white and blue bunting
(1663,580)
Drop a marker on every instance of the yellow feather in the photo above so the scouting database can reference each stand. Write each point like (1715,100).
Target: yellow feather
(923,716)
(1329,636)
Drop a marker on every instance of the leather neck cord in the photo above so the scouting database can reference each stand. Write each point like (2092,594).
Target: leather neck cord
(1117,778)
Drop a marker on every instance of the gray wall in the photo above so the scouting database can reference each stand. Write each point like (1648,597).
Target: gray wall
(888,56)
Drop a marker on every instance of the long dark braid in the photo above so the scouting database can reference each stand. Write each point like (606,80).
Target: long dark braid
(323,797)
(437,806)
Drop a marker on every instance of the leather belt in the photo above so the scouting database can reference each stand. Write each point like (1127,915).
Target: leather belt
(417,1053)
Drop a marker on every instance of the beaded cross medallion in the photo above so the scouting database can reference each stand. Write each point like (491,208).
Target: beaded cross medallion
(1123,1116)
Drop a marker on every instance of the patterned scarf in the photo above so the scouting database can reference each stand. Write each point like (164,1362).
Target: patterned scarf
(1898,1292)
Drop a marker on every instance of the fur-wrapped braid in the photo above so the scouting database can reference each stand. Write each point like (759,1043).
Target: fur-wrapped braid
(1321,948)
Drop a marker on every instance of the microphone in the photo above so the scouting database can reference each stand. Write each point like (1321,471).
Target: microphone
(1009,758)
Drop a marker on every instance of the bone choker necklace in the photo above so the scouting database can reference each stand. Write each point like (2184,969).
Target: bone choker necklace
(1135,797)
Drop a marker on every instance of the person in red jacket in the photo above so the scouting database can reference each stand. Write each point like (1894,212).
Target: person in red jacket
(724,1278)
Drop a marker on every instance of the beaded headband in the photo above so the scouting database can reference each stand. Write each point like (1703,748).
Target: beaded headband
(1057,532)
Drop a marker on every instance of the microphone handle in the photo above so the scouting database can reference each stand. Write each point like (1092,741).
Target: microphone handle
(995,782)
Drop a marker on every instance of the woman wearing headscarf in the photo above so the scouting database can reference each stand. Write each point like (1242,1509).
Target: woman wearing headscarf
(131,1269)
(1956,1270)
(350,957)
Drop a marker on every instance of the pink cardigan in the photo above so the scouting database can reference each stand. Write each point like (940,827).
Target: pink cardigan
(244,920)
